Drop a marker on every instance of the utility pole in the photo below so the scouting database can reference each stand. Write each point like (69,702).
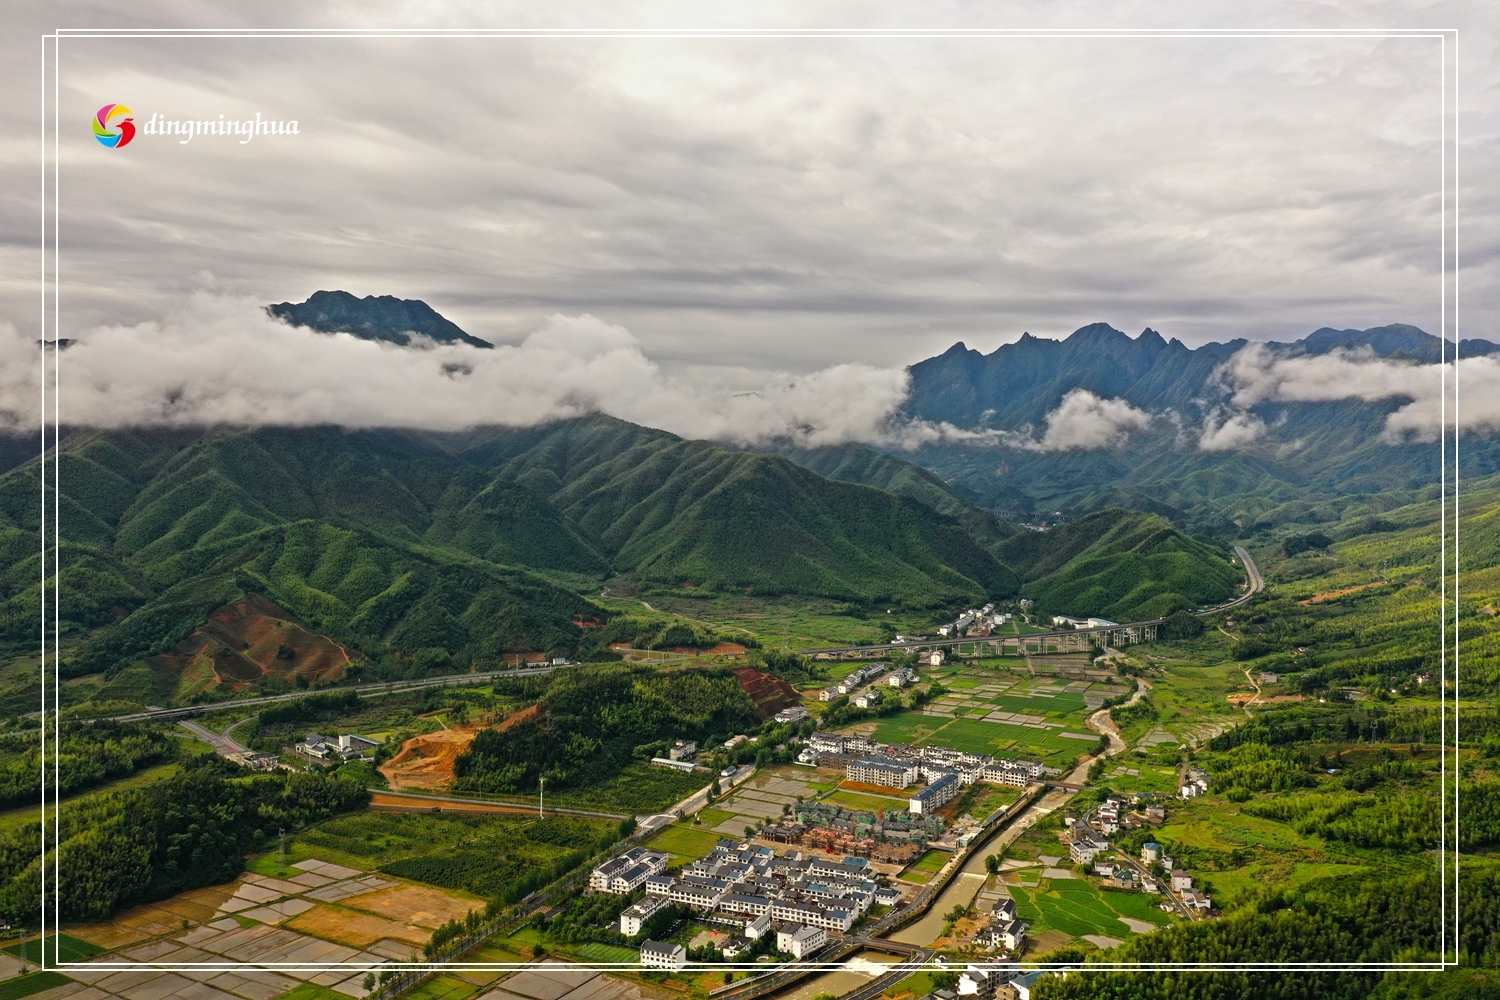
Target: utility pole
(542,798)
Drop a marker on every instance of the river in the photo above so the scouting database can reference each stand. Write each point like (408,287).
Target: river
(856,972)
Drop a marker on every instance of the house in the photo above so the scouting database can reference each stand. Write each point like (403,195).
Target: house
(734,947)
(937,658)
(1181,880)
(626,872)
(735,741)
(936,795)
(683,750)
(1016,773)
(1085,845)
(828,694)
(1149,884)
(1156,813)
(1268,677)
(804,942)
(660,955)
(901,678)
(1004,909)
(334,749)
(869,698)
(1150,852)
(888,772)
(982,980)
(1063,621)
(794,713)
(634,916)
(676,765)
(1196,900)
(1106,870)
(760,925)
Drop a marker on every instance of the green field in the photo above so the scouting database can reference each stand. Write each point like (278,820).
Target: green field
(1076,908)
(932,861)
(31,984)
(60,948)
(639,788)
(685,842)
(864,801)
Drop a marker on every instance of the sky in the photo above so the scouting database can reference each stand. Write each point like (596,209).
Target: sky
(754,211)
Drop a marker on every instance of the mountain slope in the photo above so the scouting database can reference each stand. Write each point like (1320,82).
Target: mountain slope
(676,511)
(382,317)
(1310,454)
(1120,565)
(857,463)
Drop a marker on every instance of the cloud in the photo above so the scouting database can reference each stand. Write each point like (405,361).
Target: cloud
(1228,430)
(1257,375)
(220,359)
(762,204)
(1083,421)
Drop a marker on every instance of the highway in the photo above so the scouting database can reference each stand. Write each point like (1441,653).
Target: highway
(1256,584)
(363,690)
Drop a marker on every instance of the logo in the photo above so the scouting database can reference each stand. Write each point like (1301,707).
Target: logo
(102,125)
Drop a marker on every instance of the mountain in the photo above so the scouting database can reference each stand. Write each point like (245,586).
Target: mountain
(857,463)
(383,317)
(1121,565)
(1316,461)
(675,511)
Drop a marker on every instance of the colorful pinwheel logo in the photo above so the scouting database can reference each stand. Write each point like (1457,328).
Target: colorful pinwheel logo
(105,120)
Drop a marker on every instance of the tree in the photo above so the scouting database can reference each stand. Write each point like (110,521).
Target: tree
(992,864)
(369,983)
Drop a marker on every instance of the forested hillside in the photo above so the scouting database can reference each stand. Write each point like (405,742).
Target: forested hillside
(587,727)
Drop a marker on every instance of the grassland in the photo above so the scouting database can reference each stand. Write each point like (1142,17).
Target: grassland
(685,842)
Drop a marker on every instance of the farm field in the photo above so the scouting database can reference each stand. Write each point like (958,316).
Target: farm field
(982,736)
(799,623)
(638,789)
(865,801)
(1081,910)
(685,842)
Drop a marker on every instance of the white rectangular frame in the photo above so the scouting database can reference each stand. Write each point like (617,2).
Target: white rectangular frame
(50,319)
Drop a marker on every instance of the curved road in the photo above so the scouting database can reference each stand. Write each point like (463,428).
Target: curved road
(1256,584)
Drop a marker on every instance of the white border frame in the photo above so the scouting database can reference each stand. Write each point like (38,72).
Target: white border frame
(51,270)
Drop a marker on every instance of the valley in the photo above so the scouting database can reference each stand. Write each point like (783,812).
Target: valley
(828,683)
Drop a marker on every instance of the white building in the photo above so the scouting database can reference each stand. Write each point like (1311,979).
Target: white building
(794,713)
(626,872)
(634,916)
(683,750)
(1085,846)
(800,940)
(762,924)
(888,772)
(869,698)
(937,658)
(1181,880)
(660,955)
(929,800)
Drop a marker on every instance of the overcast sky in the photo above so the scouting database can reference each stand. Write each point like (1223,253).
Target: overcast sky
(747,206)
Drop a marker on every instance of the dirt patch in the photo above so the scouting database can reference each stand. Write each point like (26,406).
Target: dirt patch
(1245,697)
(1330,595)
(415,904)
(425,762)
(1049,940)
(250,640)
(770,694)
(353,928)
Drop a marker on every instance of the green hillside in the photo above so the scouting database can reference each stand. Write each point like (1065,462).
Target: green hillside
(1120,565)
(857,463)
(673,511)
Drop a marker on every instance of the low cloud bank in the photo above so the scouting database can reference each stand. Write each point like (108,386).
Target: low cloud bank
(1257,375)
(223,360)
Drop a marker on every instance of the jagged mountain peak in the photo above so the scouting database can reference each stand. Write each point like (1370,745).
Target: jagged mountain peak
(374,317)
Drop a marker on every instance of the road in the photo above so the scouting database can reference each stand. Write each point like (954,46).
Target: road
(363,690)
(223,744)
(1256,584)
